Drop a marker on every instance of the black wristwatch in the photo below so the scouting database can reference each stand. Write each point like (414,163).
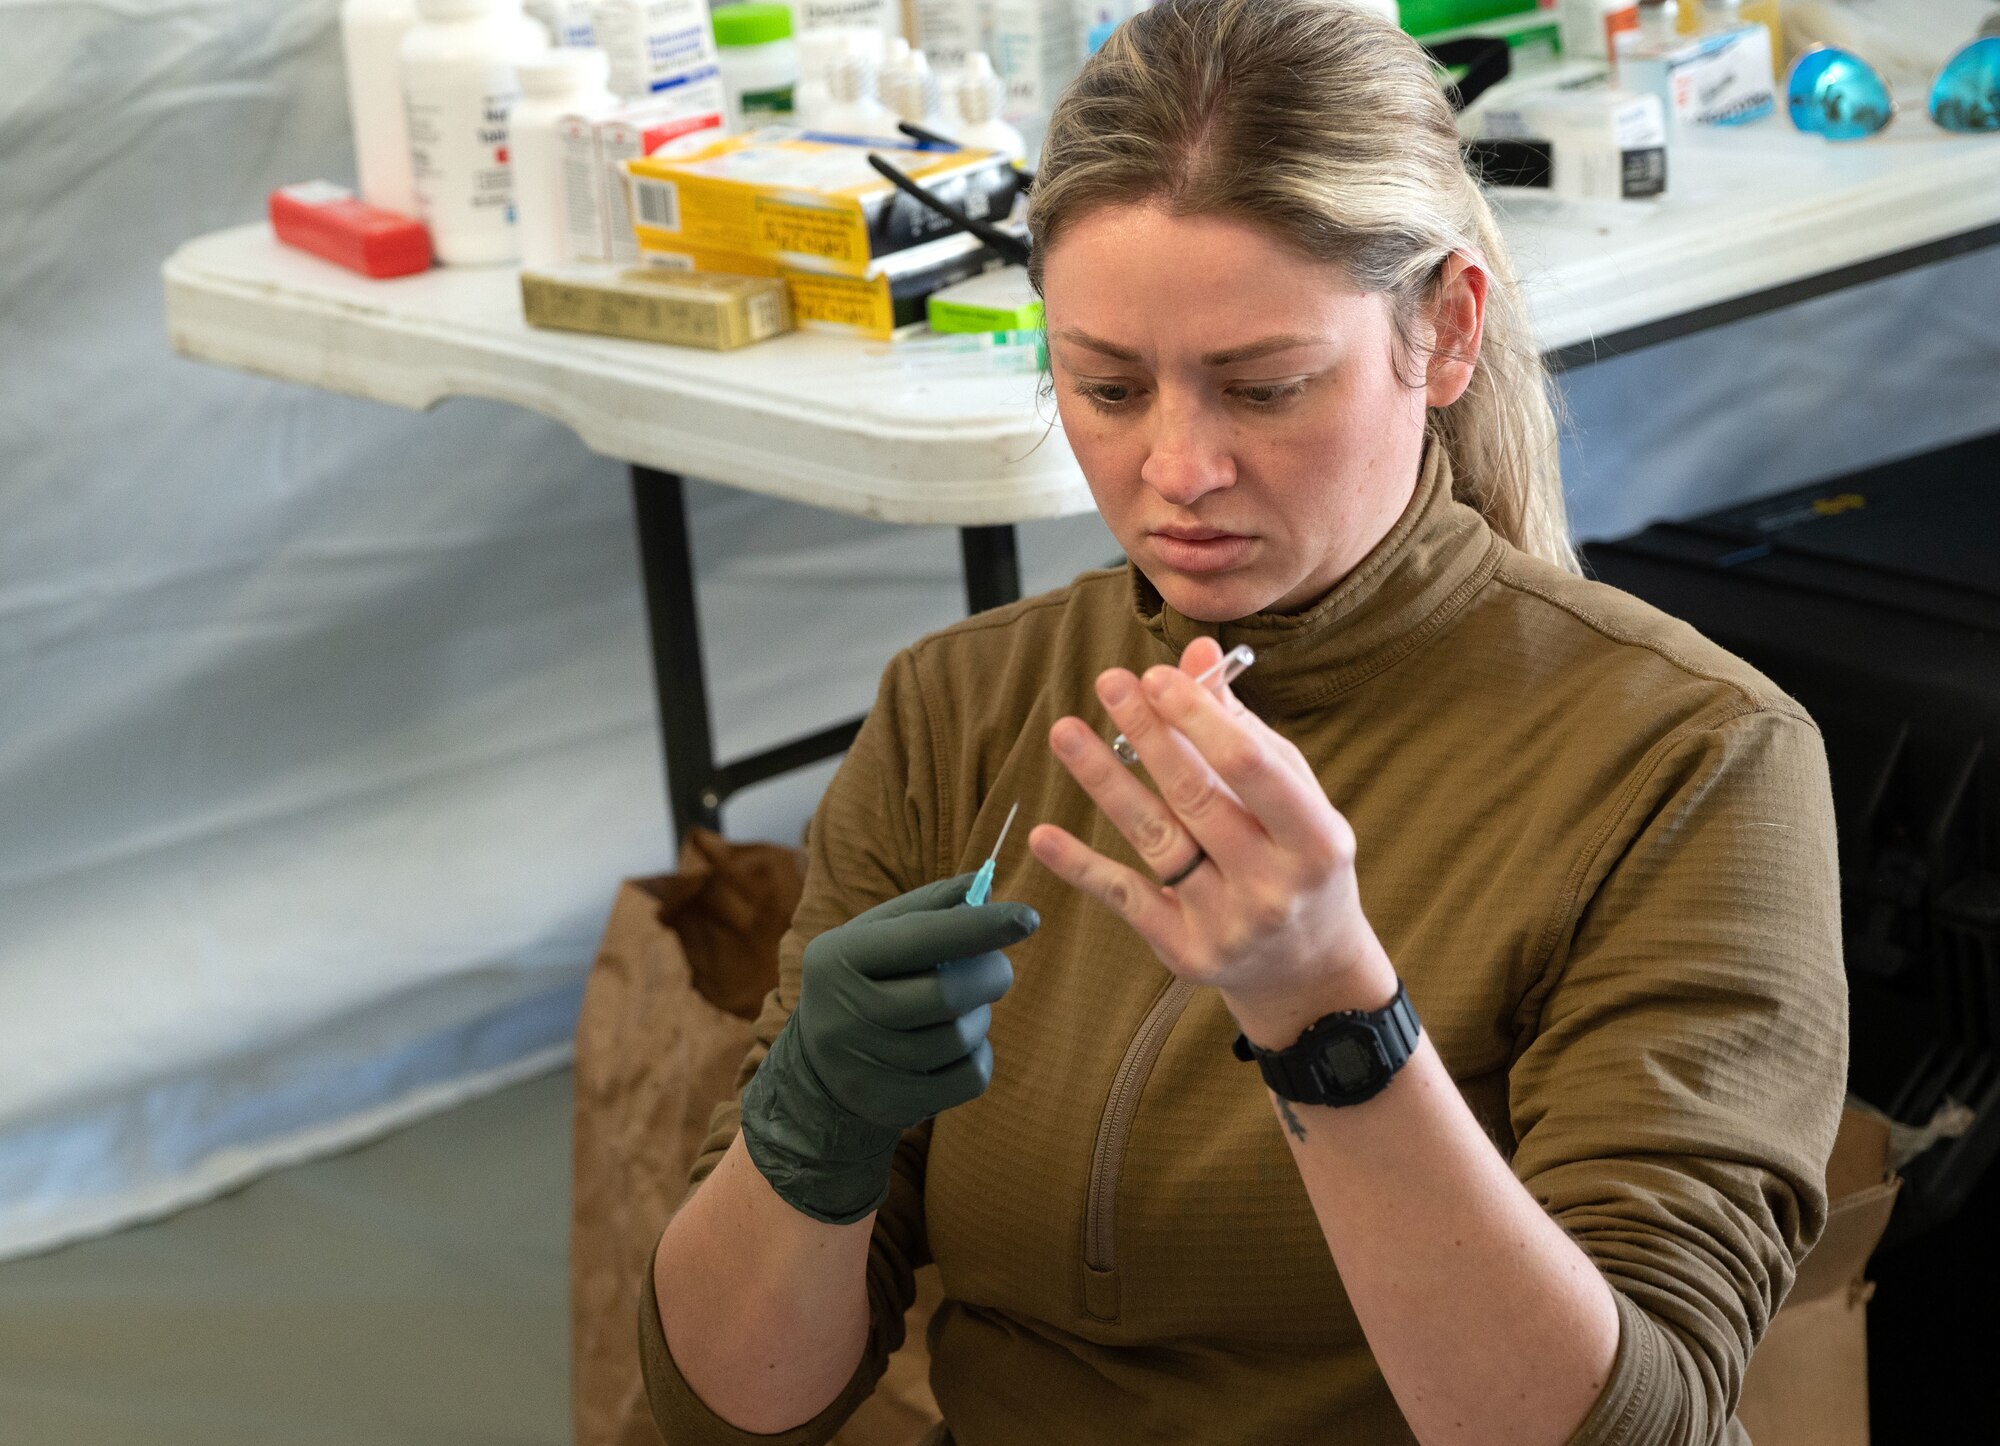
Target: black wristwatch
(1342,1059)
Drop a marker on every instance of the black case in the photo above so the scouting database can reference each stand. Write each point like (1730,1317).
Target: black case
(1875,601)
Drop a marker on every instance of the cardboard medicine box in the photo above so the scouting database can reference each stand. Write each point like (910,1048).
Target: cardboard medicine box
(889,294)
(1604,144)
(592,151)
(809,200)
(719,312)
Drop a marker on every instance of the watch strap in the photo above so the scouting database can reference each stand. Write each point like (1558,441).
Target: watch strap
(1299,1072)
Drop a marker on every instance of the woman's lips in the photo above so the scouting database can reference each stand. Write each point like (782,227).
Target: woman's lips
(1209,554)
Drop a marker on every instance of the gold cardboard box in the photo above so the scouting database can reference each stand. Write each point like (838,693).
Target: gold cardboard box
(651,303)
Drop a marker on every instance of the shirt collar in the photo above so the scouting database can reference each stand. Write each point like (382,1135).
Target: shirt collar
(1408,586)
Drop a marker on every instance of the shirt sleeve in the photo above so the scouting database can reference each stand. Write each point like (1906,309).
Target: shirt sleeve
(874,835)
(1676,1105)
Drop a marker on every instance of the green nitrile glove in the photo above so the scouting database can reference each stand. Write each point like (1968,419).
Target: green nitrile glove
(890,1029)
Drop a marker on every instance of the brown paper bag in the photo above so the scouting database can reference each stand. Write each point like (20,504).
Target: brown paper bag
(685,963)
(1807,1383)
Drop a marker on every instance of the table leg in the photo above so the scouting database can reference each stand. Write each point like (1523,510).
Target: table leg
(666,563)
(992,566)
(697,786)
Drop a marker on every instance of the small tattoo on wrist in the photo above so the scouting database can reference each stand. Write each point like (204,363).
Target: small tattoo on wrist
(1292,1121)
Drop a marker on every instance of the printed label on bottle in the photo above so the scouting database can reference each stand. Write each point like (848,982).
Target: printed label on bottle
(459,165)
(775,101)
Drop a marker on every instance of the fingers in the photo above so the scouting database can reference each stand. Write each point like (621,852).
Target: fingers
(911,943)
(920,1051)
(1136,899)
(939,895)
(1247,762)
(1194,796)
(1137,812)
(1204,653)
(964,1079)
(936,996)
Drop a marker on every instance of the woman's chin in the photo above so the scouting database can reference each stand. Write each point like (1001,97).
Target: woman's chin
(1214,597)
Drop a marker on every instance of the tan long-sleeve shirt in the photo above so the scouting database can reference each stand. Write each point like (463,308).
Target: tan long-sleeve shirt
(1600,851)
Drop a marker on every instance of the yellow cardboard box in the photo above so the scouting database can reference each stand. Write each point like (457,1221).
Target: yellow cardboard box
(889,294)
(809,201)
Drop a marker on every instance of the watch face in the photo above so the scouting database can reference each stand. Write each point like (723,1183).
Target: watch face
(1353,1060)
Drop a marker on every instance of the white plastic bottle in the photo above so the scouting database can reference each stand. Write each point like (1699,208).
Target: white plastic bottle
(460,82)
(565,82)
(979,124)
(852,109)
(760,63)
(371,40)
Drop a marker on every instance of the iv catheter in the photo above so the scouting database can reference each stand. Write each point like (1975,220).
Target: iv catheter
(1230,667)
(982,882)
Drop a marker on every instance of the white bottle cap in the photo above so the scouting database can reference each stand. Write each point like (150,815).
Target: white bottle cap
(979,89)
(457,9)
(565,70)
(908,86)
(850,77)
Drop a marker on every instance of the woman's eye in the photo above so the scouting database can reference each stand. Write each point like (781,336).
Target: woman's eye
(1105,396)
(1270,396)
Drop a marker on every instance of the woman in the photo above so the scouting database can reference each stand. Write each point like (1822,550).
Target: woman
(1595,851)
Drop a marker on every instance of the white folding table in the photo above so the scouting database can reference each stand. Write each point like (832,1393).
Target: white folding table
(1755,219)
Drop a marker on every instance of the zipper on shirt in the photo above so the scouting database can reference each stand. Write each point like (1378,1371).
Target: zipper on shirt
(1100,1261)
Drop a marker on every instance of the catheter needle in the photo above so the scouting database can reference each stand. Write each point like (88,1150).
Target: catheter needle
(983,880)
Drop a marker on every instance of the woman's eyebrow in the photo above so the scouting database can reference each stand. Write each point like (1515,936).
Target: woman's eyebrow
(1090,343)
(1249,351)
(1252,350)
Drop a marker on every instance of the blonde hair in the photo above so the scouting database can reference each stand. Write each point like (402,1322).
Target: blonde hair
(1327,127)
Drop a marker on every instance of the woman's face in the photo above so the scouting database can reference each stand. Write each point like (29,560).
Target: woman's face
(1234,405)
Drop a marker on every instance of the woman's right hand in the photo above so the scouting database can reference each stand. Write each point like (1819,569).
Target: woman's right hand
(890,1029)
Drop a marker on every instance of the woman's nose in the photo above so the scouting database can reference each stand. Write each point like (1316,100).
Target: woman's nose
(1188,453)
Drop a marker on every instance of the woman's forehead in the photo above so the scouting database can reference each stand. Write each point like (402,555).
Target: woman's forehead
(1137,279)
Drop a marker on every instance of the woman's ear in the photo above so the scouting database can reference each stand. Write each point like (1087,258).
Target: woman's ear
(1458,317)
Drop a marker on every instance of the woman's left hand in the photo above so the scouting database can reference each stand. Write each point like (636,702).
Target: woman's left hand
(1272,915)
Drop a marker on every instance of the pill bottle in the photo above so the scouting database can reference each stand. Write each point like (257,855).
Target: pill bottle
(554,86)
(461,78)
(760,64)
(978,97)
(371,41)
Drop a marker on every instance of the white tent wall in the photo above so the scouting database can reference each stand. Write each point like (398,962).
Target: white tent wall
(326,729)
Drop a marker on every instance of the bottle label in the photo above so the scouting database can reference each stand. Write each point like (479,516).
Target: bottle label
(458,153)
(773,101)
